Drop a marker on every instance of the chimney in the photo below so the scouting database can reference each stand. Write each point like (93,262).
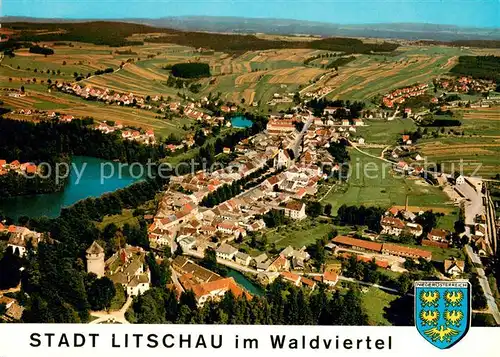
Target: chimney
(406,205)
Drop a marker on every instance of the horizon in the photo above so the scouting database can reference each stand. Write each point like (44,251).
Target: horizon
(460,13)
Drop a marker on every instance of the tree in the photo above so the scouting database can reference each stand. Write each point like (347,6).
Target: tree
(209,260)
(314,209)
(100,294)
(404,283)
(10,274)
(328,209)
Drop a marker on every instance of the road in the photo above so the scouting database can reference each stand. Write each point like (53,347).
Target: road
(114,316)
(483,281)
(490,220)
(298,141)
(473,204)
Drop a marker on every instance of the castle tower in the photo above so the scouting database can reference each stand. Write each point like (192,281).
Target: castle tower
(95,260)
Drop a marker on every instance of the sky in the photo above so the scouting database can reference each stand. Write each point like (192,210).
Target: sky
(472,13)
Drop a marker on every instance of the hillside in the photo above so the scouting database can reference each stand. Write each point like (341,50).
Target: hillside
(116,34)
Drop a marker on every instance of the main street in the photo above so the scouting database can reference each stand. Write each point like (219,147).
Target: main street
(298,141)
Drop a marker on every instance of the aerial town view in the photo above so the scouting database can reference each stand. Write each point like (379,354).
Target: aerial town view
(221,170)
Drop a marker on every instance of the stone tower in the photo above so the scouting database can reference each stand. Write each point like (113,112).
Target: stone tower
(95,260)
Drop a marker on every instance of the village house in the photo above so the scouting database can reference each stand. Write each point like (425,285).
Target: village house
(406,252)
(279,264)
(242,258)
(330,278)
(226,251)
(295,210)
(392,226)
(308,283)
(384,248)
(454,267)
(291,277)
(215,290)
(438,235)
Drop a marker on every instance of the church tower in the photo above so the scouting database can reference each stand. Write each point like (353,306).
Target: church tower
(95,260)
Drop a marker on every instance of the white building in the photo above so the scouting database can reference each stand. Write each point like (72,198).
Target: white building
(226,251)
(295,210)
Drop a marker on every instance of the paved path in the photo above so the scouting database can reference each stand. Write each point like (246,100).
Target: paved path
(327,192)
(114,316)
(352,280)
(298,141)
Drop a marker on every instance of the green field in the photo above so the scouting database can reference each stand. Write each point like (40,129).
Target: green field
(372,183)
(119,219)
(375,301)
(300,233)
(385,132)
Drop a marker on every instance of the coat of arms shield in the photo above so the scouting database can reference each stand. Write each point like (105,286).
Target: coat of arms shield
(442,311)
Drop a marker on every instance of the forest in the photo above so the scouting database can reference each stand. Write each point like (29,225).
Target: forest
(41,50)
(480,67)
(116,33)
(283,304)
(47,141)
(191,70)
(15,184)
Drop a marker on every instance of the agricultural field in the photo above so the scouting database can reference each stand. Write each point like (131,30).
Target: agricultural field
(472,155)
(371,76)
(372,183)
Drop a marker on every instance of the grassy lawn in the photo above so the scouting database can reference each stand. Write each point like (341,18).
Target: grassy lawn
(300,233)
(385,132)
(440,254)
(372,183)
(375,300)
(119,219)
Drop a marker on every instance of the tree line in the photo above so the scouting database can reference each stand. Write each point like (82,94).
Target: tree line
(46,141)
(15,184)
(282,304)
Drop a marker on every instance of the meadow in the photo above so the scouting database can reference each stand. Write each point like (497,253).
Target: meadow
(373,183)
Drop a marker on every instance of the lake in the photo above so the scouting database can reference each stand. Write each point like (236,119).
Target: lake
(242,280)
(89,185)
(241,121)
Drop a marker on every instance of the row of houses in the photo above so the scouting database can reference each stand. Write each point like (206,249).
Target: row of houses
(382,248)
(26,168)
(146,137)
(288,259)
(465,84)
(399,96)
